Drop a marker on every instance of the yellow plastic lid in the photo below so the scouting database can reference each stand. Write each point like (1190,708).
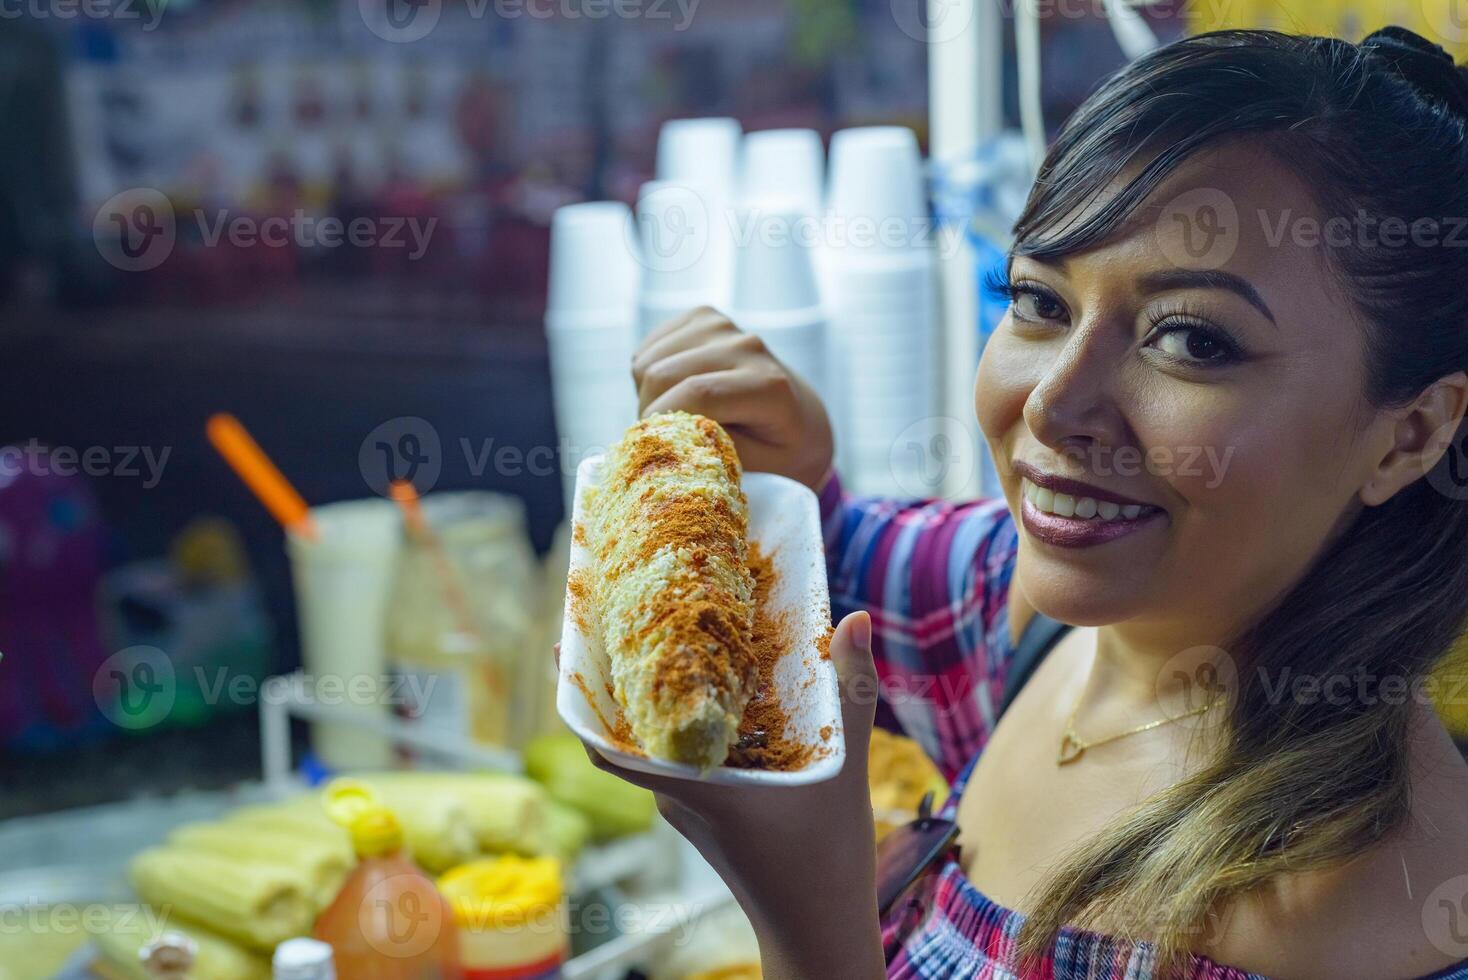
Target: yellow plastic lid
(503,892)
(374,828)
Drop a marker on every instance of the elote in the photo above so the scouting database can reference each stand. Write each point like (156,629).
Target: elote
(673,598)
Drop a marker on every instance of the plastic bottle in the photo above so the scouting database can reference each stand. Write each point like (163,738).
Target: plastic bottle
(512,917)
(169,957)
(389,922)
(303,959)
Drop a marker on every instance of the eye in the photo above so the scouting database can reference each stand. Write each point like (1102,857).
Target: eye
(1195,343)
(1030,301)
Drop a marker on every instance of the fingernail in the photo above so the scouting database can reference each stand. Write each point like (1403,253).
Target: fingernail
(861,630)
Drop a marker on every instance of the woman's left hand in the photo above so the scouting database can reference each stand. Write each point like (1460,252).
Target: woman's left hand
(801,860)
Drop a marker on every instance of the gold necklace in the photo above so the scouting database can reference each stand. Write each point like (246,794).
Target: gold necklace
(1072,747)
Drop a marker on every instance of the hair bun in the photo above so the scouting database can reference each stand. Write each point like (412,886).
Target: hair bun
(1422,64)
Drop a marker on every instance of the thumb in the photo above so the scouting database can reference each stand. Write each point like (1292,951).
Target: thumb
(856,673)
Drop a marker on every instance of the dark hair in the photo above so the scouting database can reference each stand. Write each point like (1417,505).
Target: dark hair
(1377,130)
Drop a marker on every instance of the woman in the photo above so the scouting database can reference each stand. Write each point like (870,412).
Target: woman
(1223,403)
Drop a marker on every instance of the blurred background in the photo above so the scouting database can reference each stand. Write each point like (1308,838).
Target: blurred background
(332,220)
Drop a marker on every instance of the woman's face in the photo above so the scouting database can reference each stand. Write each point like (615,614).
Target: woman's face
(1200,378)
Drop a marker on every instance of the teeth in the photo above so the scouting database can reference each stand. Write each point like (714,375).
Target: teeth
(1085,508)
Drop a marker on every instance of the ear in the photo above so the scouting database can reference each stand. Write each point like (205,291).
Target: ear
(1420,434)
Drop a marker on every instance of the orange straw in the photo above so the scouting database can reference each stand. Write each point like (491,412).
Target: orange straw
(249,461)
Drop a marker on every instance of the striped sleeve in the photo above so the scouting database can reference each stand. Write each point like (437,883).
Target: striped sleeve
(934,575)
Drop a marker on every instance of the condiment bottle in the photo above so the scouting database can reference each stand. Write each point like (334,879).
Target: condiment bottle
(512,917)
(303,959)
(389,922)
(169,957)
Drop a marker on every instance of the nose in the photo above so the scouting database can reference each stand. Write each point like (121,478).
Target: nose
(1072,406)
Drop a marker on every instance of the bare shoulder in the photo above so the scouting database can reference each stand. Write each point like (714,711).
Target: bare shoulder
(1399,910)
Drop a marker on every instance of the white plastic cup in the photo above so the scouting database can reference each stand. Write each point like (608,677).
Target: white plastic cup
(342,583)
(704,153)
(701,151)
(876,185)
(591,324)
(591,391)
(595,271)
(784,167)
(774,271)
(686,240)
(776,296)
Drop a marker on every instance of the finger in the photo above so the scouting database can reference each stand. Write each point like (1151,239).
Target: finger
(668,327)
(856,673)
(709,357)
(757,399)
(689,334)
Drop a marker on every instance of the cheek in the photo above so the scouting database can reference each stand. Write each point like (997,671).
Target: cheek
(1003,385)
(1255,473)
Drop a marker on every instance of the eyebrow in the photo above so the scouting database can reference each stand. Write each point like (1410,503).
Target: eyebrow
(1207,279)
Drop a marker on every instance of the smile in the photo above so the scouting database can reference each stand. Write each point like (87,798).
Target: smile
(1071,520)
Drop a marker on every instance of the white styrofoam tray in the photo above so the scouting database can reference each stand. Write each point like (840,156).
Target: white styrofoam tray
(784,520)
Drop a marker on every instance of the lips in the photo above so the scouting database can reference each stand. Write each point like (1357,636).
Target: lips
(1071,514)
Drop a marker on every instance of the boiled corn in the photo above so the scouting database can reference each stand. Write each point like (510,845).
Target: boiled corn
(256,903)
(673,598)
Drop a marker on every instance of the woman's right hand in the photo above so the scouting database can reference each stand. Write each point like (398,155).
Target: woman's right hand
(701,362)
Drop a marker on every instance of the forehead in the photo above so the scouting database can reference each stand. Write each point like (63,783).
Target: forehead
(1235,208)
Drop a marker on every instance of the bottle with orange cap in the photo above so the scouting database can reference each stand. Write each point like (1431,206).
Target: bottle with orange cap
(389,922)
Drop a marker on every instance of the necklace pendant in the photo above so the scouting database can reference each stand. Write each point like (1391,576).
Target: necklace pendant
(1071,749)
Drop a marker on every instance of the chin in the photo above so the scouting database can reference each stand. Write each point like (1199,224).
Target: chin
(1077,596)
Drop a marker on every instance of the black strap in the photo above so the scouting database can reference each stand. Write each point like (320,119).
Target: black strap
(1039,638)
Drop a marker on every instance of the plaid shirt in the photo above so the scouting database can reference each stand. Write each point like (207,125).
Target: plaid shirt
(935,577)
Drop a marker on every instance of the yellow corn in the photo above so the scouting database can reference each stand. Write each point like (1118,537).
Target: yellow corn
(127,930)
(503,812)
(257,903)
(673,598)
(323,862)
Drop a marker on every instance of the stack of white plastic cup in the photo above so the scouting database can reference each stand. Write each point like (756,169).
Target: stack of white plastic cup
(677,223)
(881,290)
(785,167)
(591,327)
(704,154)
(775,292)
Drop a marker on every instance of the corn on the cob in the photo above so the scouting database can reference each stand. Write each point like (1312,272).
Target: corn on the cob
(504,812)
(323,862)
(673,596)
(127,930)
(255,903)
(436,826)
(567,831)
